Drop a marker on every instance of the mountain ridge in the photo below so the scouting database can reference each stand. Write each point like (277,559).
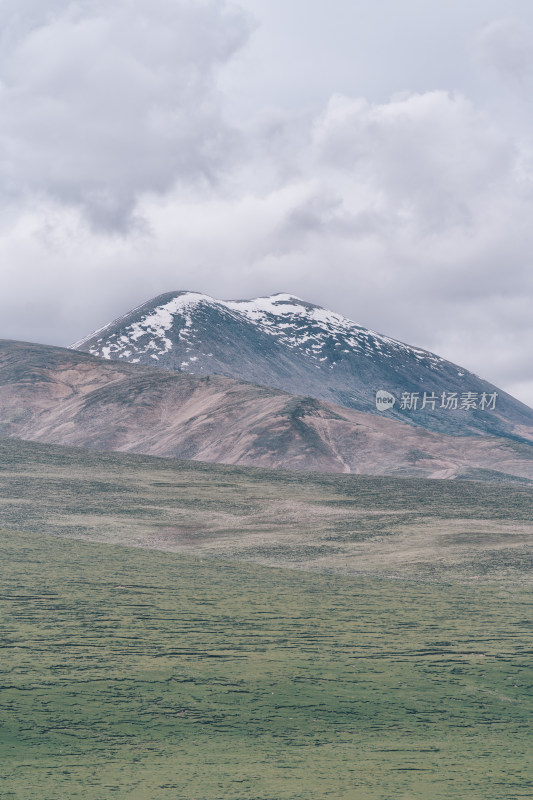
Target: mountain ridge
(60,396)
(289,344)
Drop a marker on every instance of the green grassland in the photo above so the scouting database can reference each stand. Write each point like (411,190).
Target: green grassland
(137,674)
(395,662)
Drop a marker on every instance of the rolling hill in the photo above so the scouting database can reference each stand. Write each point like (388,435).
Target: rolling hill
(65,397)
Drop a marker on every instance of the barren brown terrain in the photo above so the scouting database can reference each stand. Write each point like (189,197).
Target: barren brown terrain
(65,397)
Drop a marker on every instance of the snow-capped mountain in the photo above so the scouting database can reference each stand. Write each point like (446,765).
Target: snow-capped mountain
(287,343)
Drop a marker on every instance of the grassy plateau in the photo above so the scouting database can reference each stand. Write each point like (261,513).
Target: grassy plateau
(390,527)
(192,674)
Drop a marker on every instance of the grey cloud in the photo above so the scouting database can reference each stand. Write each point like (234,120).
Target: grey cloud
(430,157)
(101,102)
(506,46)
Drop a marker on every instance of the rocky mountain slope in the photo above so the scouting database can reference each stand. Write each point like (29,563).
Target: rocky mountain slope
(60,396)
(289,344)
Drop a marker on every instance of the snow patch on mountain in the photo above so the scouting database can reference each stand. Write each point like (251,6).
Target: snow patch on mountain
(305,322)
(319,334)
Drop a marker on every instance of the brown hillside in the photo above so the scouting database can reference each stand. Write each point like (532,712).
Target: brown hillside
(60,396)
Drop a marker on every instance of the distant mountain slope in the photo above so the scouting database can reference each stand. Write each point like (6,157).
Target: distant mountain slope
(60,396)
(289,344)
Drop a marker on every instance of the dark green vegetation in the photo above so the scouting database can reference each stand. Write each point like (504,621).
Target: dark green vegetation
(420,529)
(137,674)
(190,675)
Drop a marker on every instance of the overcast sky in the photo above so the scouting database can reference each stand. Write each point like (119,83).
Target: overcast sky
(374,158)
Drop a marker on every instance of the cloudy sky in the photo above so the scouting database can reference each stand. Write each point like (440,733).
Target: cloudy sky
(375,158)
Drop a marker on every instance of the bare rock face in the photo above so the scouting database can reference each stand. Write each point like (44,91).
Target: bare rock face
(285,343)
(60,396)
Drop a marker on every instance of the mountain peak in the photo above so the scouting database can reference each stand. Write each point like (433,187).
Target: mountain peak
(287,343)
